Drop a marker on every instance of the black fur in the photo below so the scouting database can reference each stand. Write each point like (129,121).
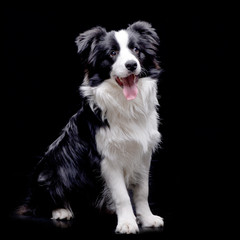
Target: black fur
(69,171)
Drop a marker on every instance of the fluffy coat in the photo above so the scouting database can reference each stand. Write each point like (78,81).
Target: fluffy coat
(106,147)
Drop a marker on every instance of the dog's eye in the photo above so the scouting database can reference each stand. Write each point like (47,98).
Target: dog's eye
(113,53)
(136,50)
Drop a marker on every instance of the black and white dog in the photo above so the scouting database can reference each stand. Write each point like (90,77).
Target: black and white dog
(106,147)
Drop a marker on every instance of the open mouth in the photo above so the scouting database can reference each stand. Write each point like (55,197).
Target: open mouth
(129,85)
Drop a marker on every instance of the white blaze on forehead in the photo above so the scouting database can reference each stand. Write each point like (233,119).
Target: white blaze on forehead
(122,38)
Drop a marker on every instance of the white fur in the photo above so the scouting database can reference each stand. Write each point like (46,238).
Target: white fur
(127,145)
(126,148)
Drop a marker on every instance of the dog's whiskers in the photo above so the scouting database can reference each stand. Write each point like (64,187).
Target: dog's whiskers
(143,72)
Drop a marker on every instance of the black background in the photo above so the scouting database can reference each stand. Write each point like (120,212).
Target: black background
(42,73)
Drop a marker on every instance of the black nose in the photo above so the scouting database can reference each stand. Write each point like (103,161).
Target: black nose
(131,65)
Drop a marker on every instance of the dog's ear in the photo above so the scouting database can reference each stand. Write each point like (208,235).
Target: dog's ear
(147,32)
(149,41)
(85,41)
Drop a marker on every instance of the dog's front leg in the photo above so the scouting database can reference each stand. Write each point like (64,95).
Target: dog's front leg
(115,182)
(140,196)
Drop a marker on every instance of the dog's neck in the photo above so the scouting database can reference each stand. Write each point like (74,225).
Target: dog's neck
(109,97)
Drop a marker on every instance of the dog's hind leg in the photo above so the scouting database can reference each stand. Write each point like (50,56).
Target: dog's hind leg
(62,213)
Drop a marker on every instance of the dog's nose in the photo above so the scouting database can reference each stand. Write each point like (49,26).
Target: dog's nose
(131,65)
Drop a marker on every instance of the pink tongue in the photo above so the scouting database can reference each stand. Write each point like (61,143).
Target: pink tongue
(130,90)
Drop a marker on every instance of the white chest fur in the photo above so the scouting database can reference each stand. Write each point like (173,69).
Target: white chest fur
(133,130)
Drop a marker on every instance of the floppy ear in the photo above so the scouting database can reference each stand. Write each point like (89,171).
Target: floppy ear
(149,41)
(147,33)
(86,40)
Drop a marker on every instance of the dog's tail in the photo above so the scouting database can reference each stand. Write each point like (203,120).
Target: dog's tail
(26,208)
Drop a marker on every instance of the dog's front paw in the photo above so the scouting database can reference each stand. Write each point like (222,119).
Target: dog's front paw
(151,221)
(127,227)
(62,213)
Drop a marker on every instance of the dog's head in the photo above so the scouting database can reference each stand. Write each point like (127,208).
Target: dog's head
(123,56)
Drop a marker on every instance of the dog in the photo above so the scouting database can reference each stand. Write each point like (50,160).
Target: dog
(105,149)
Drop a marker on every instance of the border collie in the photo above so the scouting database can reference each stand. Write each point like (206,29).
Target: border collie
(105,149)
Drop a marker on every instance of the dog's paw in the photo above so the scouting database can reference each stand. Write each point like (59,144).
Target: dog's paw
(62,213)
(127,227)
(150,221)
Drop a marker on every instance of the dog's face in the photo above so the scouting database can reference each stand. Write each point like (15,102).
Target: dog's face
(122,56)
